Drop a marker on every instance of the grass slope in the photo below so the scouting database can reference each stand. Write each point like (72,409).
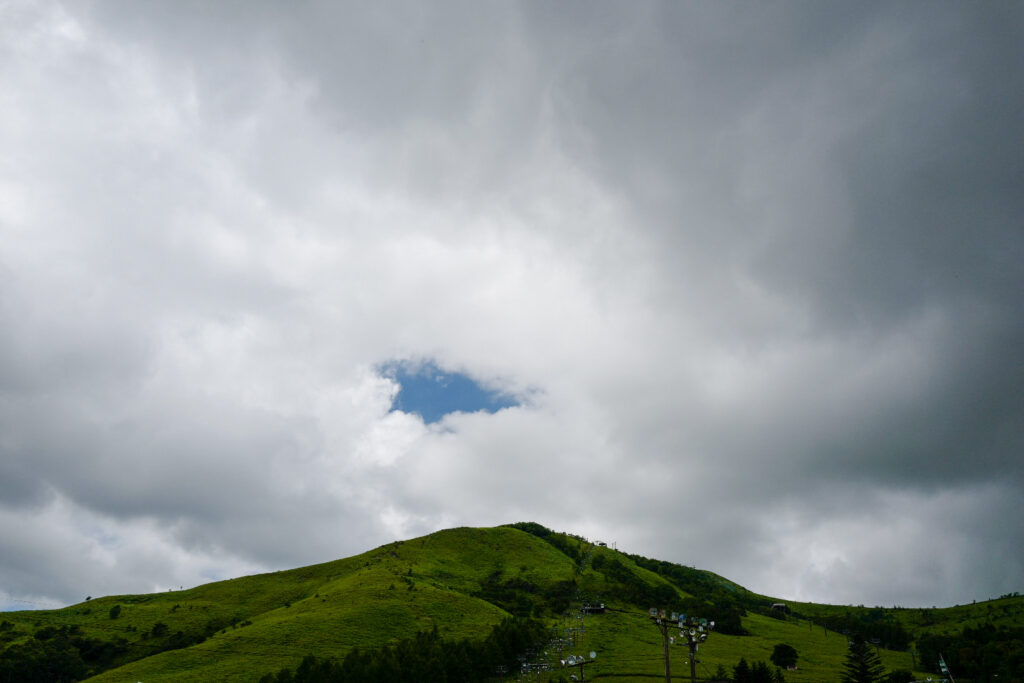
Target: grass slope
(455,580)
(264,622)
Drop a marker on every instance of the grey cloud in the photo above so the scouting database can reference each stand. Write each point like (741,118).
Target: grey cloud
(759,261)
(729,141)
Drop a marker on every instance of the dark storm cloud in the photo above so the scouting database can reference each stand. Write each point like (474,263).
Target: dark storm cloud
(758,260)
(911,115)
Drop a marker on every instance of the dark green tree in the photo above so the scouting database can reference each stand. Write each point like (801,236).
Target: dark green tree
(741,672)
(42,660)
(757,672)
(862,663)
(760,673)
(784,656)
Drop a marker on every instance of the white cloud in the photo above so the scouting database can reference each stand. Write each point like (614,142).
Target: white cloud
(65,550)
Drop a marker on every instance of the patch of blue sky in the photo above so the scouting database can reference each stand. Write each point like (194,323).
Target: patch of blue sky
(432,392)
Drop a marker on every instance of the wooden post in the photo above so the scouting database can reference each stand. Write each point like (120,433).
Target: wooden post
(668,661)
(664,625)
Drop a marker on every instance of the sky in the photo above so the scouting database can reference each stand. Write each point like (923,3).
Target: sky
(733,285)
(426,390)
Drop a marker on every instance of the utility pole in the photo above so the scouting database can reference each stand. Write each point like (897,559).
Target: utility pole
(693,629)
(663,624)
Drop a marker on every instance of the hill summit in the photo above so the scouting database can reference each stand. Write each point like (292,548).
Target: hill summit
(460,586)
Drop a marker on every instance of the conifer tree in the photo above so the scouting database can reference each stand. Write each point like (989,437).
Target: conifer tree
(741,672)
(862,663)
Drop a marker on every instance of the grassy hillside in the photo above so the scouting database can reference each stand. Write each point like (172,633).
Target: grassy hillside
(463,582)
(257,624)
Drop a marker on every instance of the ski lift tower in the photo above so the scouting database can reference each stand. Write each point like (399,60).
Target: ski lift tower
(695,631)
(692,630)
(580,661)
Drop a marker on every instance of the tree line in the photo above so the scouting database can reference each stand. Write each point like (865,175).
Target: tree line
(719,603)
(56,655)
(877,626)
(425,658)
(979,653)
(59,653)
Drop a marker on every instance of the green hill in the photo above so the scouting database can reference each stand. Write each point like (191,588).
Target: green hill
(463,583)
